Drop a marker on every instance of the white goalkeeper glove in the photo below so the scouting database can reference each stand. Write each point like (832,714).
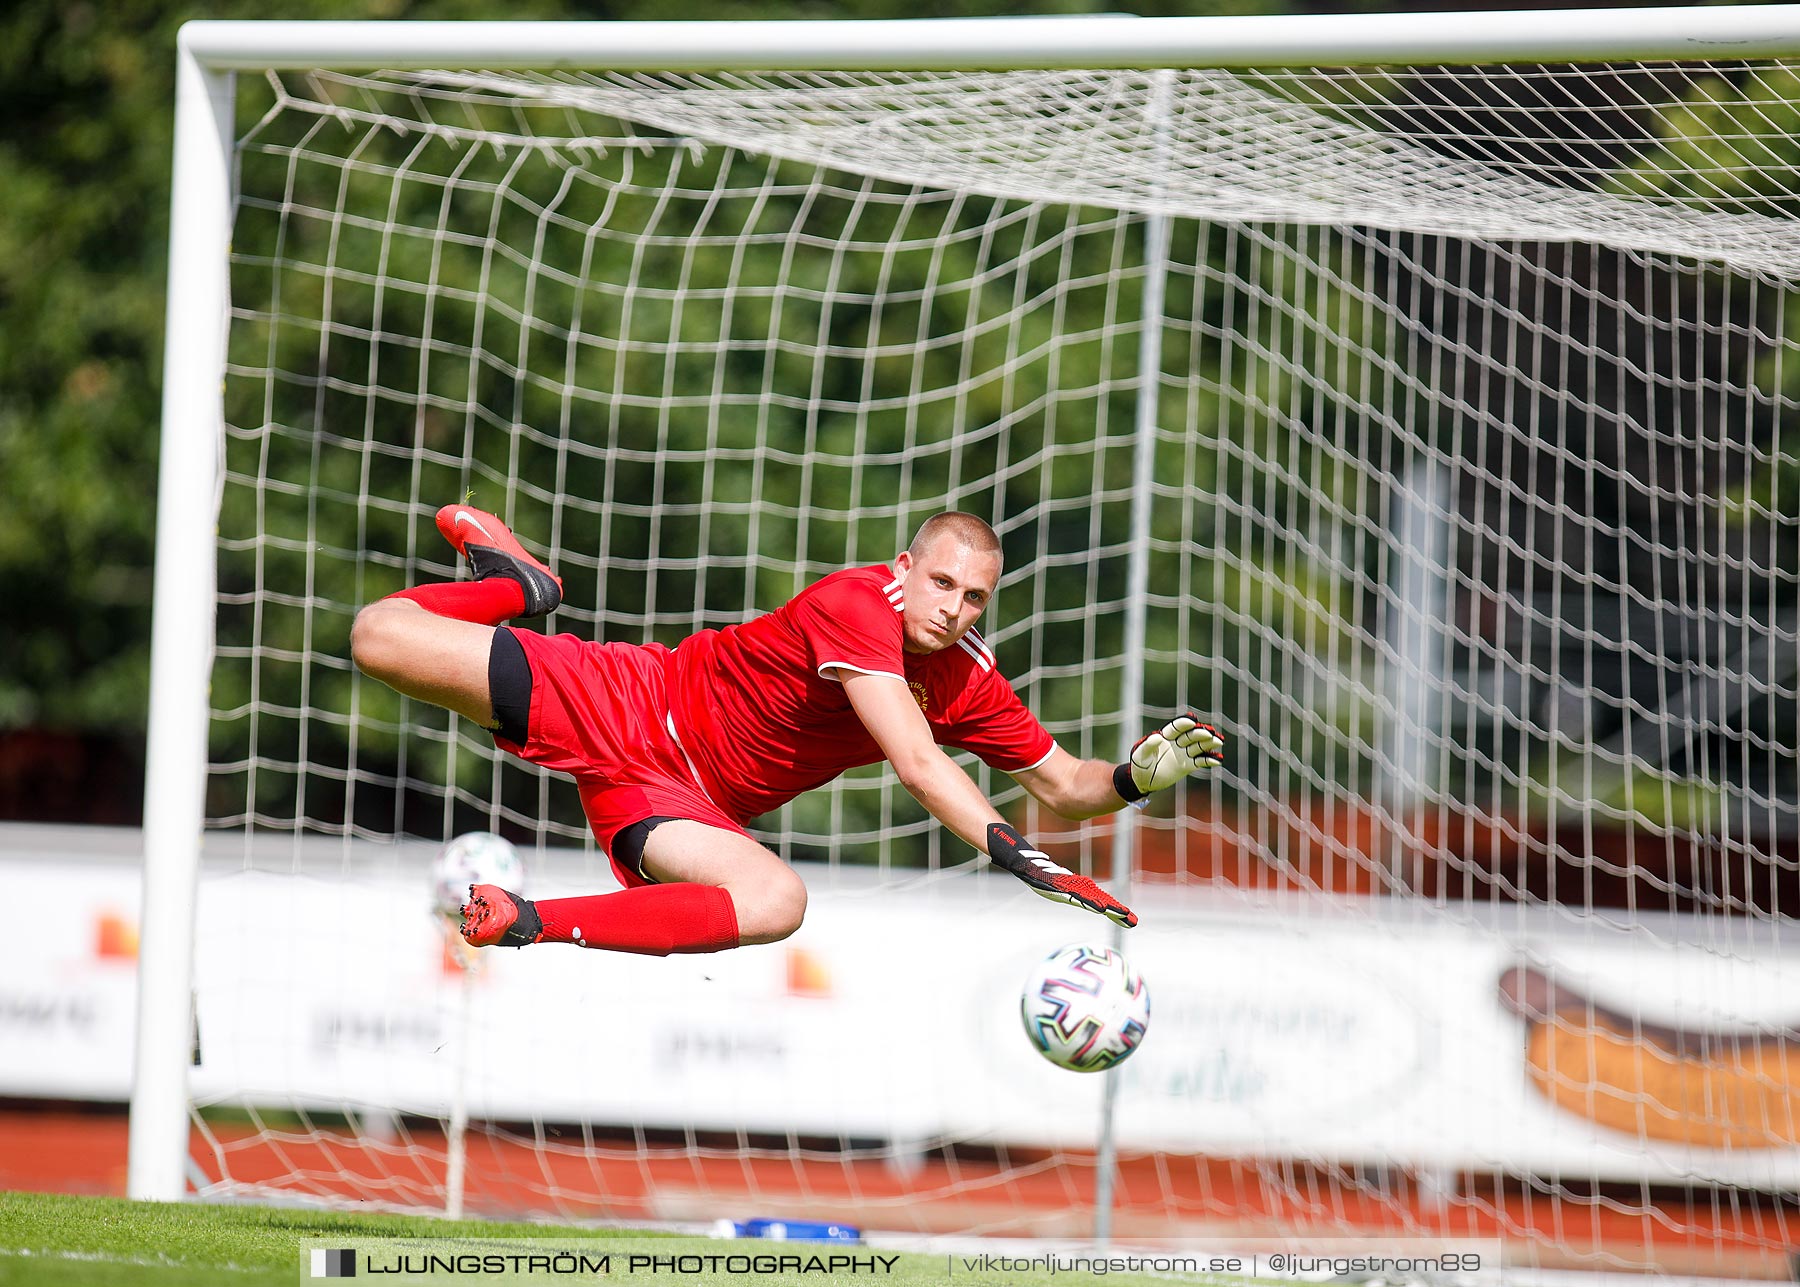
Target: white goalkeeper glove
(1168,755)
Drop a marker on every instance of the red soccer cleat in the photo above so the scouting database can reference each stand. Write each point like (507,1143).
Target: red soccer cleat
(494,917)
(492,550)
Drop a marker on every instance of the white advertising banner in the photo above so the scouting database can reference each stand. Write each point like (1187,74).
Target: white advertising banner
(1326,1030)
(68,979)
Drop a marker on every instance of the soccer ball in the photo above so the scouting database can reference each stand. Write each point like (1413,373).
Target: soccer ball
(1085,1008)
(474,858)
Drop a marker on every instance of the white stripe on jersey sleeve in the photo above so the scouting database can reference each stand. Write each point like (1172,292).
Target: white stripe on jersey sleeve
(844,665)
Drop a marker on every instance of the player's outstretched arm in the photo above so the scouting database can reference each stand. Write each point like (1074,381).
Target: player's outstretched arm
(1078,789)
(888,711)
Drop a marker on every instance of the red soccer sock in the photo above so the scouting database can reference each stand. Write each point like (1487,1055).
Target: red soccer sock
(653,920)
(486,603)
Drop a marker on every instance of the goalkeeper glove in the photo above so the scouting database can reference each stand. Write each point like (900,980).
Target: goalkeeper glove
(1047,879)
(1168,755)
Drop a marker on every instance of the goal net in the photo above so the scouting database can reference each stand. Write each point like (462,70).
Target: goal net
(1442,414)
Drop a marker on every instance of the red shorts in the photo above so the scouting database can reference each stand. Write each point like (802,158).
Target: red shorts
(599,712)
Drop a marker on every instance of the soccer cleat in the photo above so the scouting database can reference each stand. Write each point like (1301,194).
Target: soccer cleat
(494,917)
(492,550)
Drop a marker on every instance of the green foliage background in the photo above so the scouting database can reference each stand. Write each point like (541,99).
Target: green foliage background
(84,168)
(84,162)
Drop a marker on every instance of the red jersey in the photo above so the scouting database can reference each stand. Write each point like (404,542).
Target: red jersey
(761,719)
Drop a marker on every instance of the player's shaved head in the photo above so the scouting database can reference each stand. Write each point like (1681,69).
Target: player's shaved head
(966,528)
(947,576)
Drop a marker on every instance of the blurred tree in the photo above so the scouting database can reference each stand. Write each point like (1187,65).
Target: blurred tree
(84,162)
(84,157)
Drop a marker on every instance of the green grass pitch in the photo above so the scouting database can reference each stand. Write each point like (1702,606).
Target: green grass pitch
(51,1240)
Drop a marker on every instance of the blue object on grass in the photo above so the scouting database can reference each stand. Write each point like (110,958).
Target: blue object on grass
(797,1231)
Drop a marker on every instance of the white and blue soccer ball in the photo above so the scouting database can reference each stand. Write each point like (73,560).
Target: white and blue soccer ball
(473,858)
(1085,1008)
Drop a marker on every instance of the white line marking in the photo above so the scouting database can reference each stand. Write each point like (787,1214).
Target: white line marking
(104,1258)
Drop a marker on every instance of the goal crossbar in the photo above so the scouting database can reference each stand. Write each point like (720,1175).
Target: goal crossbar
(960,44)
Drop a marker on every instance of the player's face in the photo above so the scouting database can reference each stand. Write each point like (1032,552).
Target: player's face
(946,590)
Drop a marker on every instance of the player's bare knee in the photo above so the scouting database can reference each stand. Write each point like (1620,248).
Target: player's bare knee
(772,910)
(789,908)
(365,639)
(374,640)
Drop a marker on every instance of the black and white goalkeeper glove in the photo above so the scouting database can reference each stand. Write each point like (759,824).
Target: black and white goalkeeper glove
(1168,755)
(1049,879)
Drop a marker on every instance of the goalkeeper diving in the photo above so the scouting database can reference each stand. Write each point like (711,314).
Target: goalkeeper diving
(673,751)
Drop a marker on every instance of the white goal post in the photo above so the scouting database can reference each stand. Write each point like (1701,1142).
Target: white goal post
(1431,721)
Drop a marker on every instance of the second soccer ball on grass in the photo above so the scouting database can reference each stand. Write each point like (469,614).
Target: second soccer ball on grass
(473,858)
(1085,1008)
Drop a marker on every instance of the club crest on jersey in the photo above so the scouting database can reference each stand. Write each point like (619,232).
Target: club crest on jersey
(920,695)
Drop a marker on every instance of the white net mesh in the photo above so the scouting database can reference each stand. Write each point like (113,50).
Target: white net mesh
(1475,523)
